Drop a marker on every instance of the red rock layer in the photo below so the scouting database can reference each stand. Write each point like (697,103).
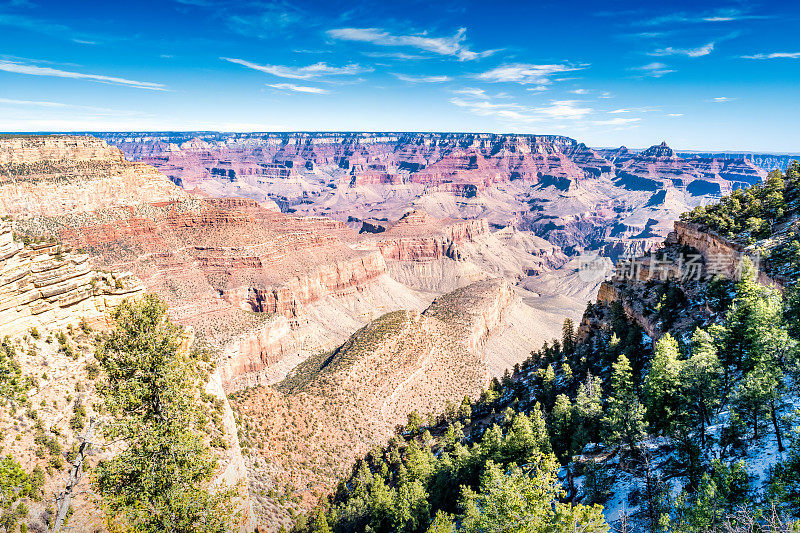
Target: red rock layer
(420,237)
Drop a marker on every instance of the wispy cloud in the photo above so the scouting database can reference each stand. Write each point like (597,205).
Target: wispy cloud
(12,101)
(580,91)
(33,70)
(422,79)
(316,70)
(297,88)
(654,70)
(446,46)
(473,92)
(617,122)
(505,111)
(526,73)
(674,114)
(632,110)
(564,109)
(395,55)
(95,111)
(774,55)
(721,99)
(718,15)
(688,52)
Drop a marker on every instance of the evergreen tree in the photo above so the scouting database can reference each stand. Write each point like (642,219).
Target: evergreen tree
(701,381)
(568,337)
(159,481)
(321,523)
(561,423)
(515,501)
(625,415)
(662,383)
(588,411)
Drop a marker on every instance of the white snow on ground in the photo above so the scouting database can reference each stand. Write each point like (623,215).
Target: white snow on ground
(761,455)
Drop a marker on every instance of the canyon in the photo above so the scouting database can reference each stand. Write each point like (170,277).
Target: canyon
(340,281)
(617,201)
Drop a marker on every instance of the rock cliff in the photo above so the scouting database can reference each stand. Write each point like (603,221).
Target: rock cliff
(51,175)
(44,285)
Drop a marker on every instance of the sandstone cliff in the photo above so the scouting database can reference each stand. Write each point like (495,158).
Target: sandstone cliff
(44,285)
(687,261)
(50,175)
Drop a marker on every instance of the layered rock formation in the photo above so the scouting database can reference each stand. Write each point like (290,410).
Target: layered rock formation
(226,267)
(60,174)
(554,186)
(417,236)
(44,285)
(337,406)
(658,167)
(691,256)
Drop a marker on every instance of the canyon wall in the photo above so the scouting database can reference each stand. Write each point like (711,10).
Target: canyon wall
(44,285)
(417,236)
(725,255)
(51,175)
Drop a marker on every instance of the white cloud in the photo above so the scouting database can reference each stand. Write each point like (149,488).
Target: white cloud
(473,92)
(654,70)
(721,99)
(302,73)
(537,89)
(32,103)
(580,91)
(774,55)
(674,114)
(446,46)
(526,73)
(395,55)
(632,110)
(32,70)
(422,79)
(297,88)
(564,109)
(718,15)
(505,111)
(606,94)
(617,121)
(688,52)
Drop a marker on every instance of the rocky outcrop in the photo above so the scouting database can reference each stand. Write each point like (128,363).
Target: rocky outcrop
(44,285)
(720,254)
(417,236)
(690,257)
(337,278)
(51,175)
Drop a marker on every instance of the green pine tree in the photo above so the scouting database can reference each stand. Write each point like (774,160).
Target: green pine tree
(625,415)
(160,479)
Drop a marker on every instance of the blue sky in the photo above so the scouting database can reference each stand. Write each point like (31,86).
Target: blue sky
(700,75)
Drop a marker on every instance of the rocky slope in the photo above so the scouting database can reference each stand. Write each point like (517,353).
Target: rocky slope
(304,432)
(49,293)
(682,268)
(45,285)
